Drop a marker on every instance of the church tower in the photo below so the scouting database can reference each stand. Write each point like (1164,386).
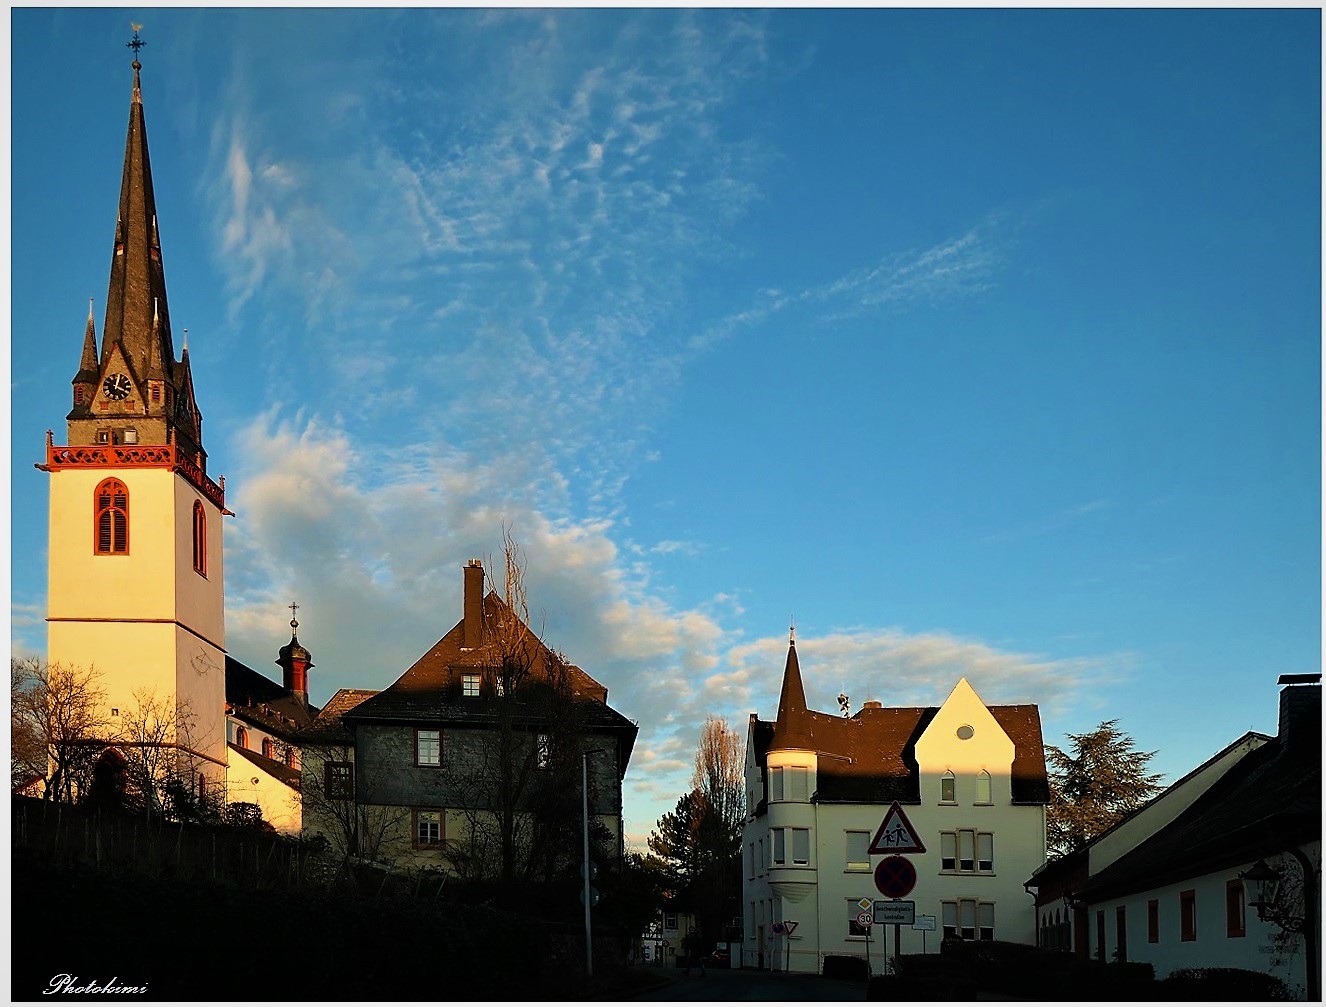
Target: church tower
(135,587)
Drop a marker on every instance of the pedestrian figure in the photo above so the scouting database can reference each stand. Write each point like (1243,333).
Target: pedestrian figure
(690,945)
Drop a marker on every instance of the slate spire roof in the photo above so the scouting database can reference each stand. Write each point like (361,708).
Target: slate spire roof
(136,338)
(137,289)
(792,729)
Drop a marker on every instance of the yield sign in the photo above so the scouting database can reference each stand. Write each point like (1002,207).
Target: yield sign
(896,834)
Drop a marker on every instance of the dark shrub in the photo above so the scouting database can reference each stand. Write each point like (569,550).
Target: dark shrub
(845,967)
(902,988)
(1221,984)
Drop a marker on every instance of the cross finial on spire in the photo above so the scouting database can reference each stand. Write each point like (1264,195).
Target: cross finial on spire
(792,632)
(135,43)
(294,623)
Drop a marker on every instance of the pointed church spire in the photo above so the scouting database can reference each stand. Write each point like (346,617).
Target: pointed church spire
(792,729)
(87,367)
(137,291)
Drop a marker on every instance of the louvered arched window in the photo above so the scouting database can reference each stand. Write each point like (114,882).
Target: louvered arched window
(268,748)
(112,524)
(199,538)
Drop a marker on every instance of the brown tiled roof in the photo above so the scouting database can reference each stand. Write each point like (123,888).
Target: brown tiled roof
(430,689)
(328,726)
(870,757)
(272,767)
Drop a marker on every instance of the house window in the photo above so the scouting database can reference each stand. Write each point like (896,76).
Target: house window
(242,737)
(78,395)
(542,751)
(762,863)
(199,538)
(966,851)
(983,788)
(800,841)
(1100,935)
(985,920)
(291,757)
(103,436)
(1235,911)
(427,747)
(1121,933)
(427,828)
(798,783)
(156,392)
(969,919)
(1153,921)
(854,929)
(789,783)
(858,851)
(948,789)
(1188,915)
(338,780)
(130,435)
(112,529)
(469,685)
(268,748)
(801,846)
(669,921)
(751,873)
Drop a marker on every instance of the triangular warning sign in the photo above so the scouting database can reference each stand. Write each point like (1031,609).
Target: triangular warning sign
(896,835)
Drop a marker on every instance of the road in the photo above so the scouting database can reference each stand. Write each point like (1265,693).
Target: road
(750,984)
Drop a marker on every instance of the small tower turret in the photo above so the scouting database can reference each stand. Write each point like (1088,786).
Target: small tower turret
(295,661)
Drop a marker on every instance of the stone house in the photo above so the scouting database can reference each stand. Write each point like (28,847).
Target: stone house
(473,757)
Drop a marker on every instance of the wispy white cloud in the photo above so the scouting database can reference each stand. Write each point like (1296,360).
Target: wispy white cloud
(1065,518)
(954,268)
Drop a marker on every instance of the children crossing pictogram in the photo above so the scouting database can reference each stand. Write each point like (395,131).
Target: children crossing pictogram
(896,835)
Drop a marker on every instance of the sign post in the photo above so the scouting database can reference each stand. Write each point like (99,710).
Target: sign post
(924,924)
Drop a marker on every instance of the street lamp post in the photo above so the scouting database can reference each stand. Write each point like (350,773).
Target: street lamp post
(1262,883)
(584,793)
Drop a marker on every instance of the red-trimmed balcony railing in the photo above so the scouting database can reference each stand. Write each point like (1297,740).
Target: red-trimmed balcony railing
(133,456)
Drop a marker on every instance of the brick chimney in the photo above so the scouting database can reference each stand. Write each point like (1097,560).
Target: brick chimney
(1300,712)
(473,629)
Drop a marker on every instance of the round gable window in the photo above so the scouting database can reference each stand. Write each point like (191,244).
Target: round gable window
(966,732)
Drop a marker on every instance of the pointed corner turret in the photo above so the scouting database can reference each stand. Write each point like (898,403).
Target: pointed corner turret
(792,728)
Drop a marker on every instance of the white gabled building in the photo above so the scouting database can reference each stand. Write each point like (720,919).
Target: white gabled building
(1165,884)
(970,781)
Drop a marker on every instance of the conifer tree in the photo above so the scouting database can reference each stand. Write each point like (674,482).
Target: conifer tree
(1100,780)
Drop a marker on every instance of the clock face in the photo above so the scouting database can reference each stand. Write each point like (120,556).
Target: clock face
(117,387)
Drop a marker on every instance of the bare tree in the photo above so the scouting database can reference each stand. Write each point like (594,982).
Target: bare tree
(155,740)
(720,776)
(516,780)
(28,759)
(331,804)
(64,707)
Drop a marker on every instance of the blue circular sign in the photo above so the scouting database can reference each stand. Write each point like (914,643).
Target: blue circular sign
(895,877)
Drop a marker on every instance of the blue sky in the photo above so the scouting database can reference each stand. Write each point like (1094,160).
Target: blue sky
(978,342)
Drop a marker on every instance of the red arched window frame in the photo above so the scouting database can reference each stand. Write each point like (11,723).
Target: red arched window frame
(242,737)
(111,530)
(268,748)
(199,538)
